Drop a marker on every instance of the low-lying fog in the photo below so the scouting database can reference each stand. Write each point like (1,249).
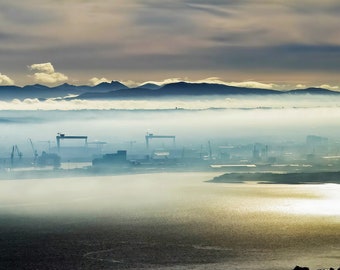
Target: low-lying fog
(193,121)
(184,102)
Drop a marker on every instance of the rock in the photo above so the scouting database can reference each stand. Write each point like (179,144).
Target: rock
(300,268)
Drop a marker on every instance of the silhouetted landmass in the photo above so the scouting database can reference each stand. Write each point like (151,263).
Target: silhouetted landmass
(43,92)
(301,268)
(278,178)
(307,268)
(117,90)
(119,94)
(179,89)
(196,89)
(183,88)
(313,91)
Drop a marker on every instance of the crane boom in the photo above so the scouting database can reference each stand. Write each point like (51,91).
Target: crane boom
(35,152)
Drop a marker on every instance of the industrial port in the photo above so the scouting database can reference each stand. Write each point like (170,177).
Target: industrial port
(78,155)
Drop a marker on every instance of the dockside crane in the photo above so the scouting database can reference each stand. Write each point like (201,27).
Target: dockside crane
(35,152)
(210,151)
(15,150)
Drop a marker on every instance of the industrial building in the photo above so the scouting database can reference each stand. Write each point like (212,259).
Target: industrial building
(111,160)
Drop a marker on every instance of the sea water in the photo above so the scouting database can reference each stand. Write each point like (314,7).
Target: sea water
(167,221)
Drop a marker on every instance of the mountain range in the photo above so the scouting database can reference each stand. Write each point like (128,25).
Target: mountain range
(117,90)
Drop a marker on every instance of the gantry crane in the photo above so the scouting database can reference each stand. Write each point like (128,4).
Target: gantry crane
(150,136)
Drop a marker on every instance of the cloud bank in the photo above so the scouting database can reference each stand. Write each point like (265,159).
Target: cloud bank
(201,103)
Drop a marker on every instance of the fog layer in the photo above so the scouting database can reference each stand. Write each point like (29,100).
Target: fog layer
(189,103)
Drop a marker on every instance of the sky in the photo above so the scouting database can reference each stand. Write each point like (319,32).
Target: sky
(274,43)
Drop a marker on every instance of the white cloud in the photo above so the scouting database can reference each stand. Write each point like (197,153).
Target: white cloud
(300,86)
(95,81)
(166,81)
(217,80)
(50,78)
(248,84)
(46,74)
(253,84)
(329,87)
(211,80)
(130,83)
(5,80)
(43,67)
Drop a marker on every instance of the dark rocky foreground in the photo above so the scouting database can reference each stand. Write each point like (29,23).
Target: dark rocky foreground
(307,268)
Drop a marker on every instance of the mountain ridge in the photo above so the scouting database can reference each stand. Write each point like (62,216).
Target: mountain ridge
(117,90)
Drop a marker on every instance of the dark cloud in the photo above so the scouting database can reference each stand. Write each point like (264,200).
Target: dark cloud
(6,36)
(14,39)
(86,36)
(277,58)
(330,7)
(292,57)
(210,10)
(26,14)
(89,58)
(239,37)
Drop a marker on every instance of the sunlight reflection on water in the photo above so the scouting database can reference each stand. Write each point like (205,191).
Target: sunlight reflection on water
(327,202)
(263,226)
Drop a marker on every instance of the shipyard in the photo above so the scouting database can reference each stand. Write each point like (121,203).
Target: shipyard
(76,155)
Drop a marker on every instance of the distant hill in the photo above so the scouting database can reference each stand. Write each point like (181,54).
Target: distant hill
(178,89)
(197,89)
(314,91)
(44,92)
(105,87)
(117,90)
(184,88)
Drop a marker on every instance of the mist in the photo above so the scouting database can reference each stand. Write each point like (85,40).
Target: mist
(188,103)
(281,121)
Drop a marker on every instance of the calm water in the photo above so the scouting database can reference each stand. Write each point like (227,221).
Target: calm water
(167,221)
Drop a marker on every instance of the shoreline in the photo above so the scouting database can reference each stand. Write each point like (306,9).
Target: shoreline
(265,177)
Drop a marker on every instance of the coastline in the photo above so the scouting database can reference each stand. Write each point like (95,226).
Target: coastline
(230,176)
(280,178)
